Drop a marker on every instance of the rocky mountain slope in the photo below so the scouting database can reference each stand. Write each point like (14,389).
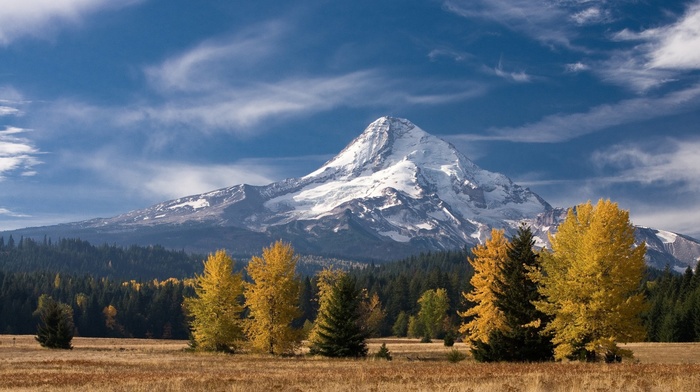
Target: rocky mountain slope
(393,191)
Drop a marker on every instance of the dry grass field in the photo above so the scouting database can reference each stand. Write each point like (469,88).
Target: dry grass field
(162,365)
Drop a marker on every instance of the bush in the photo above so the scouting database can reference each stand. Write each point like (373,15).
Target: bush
(455,356)
(449,339)
(383,353)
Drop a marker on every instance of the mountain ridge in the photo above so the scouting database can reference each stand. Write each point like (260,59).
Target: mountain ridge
(395,190)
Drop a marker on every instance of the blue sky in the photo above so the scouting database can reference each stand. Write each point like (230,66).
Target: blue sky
(107,106)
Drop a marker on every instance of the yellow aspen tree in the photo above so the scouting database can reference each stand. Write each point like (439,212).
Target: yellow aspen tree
(591,283)
(485,316)
(216,309)
(273,300)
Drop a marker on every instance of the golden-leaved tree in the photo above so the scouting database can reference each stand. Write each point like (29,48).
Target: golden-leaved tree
(273,300)
(485,316)
(216,309)
(591,283)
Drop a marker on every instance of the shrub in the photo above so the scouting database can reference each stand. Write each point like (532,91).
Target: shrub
(383,353)
(455,356)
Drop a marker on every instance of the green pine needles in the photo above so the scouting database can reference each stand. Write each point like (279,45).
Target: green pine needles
(56,328)
(339,328)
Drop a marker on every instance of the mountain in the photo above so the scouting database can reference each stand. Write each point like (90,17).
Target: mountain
(394,191)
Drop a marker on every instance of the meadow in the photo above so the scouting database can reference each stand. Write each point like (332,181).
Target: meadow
(166,365)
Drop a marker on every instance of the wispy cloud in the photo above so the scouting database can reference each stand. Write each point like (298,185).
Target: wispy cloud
(576,67)
(6,212)
(591,15)
(239,107)
(17,154)
(542,21)
(164,179)
(674,162)
(38,18)
(514,76)
(658,55)
(562,127)
(212,62)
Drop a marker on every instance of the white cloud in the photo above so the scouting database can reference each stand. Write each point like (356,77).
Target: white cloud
(673,162)
(6,212)
(577,67)
(37,18)
(591,15)
(240,107)
(207,65)
(519,76)
(562,127)
(449,53)
(659,55)
(8,111)
(677,46)
(17,154)
(164,179)
(543,21)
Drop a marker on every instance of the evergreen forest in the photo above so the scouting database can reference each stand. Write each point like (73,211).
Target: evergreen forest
(139,291)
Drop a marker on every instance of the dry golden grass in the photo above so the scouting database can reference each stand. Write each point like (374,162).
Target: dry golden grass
(163,365)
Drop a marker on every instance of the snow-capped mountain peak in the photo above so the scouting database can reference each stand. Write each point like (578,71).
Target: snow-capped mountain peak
(393,191)
(393,162)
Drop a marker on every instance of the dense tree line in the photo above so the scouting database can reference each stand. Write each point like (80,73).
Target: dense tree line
(74,256)
(105,305)
(674,307)
(399,285)
(101,307)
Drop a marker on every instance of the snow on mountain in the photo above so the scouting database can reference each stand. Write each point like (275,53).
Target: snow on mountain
(394,162)
(393,191)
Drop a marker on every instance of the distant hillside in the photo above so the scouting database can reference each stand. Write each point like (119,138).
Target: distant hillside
(74,256)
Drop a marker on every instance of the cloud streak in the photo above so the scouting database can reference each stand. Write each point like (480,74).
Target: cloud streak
(38,18)
(163,179)
(563,127)
(658,55)
(17,154)
(542,21)
(672,162)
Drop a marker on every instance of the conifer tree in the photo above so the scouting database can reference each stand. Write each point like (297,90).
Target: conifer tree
(340,332)
(56,328)
(484,316)
(522,340)
(216,310)
(326,280)
(591,283)
(273,300)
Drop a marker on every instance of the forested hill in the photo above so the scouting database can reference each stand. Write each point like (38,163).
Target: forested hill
(399,284)
(74,256)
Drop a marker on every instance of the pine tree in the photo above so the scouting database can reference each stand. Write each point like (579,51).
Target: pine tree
(484,316)
(216,310)
(273,300)
(326,280)
(522,339)
(340,331)
(56,328)
(591,283)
